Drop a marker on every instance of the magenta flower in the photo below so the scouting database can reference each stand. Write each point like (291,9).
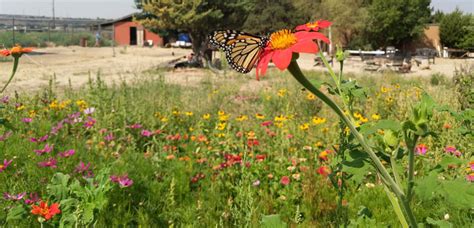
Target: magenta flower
(123,181)
(421,149)
(51,162)
(47,149)
(39,140)
(147,133)
(5,99)
(266,123)
(90,122)
(55,129)
(84,169)
(6,163)
(26,120)
(470,177)
(5,136)
(67,153)
(17,197)
(34,198)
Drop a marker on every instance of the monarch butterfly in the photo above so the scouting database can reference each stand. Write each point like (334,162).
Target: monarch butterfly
(242,50)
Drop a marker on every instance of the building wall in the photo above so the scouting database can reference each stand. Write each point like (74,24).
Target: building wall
(122,33)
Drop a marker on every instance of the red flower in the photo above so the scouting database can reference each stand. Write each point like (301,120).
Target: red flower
(313,26)
(45,211)
(285,180)
(16,51)
(282,45)
(324,171)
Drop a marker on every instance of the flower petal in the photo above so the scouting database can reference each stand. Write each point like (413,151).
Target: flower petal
(305,46)
(282,58)
(324,24)
(302,28)
(262,64)
(311,35)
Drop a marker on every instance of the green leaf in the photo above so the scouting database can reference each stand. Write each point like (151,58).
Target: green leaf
(88,213)
(427,187)
(273,221)
(382,124)
(440,223)
(59,186)
(459,193)
(16,213)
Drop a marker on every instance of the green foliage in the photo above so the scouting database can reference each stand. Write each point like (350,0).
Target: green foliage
(395,22)
(456,30)
(41,39)
(272,221)
(463,80)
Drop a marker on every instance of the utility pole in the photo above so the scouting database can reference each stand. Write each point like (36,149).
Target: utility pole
(54,17)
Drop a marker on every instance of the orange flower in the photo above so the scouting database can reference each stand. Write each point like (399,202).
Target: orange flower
(45,211)
(16,51)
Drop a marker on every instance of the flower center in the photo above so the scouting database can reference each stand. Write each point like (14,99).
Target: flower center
(282,39)
(1,167)
(312,25)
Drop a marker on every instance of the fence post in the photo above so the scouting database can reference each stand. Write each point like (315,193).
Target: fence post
(13,29)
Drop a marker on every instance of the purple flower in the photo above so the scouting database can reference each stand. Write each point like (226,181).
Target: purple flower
(5,136)
(17,197)
(33,198)
(56,128)
(39,140)
(123,181)
(146,133)
(47,149)
(67,153)
(136,126)
(5,99)
(109,137)
(83,169)
(26,120)
(6,163)
(90,122)
(51,162)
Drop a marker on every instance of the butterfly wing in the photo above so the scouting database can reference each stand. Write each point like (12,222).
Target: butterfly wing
(242,50)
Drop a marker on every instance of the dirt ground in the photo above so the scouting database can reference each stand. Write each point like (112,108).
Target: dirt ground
(75,64)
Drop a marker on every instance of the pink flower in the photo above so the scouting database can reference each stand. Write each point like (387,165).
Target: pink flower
(84,169)
(123,181)
(47,149)
(472,165)
(67,153)
(33,198)
(39,140)
(136,126)
(109,137)
(26,120)
(266,123)
(5,136)
(5,99)
(289,136)
(470,177)
(421,149)
(51,162)
(256,183)
(90,122)
(147,133)
(283,44)
(313,26)
(6,163)
(13,197)
(285,180)
(450,149)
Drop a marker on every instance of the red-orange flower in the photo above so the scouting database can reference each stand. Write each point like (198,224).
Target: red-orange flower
(16,51)
(313,26)
(283,44)
(45,211)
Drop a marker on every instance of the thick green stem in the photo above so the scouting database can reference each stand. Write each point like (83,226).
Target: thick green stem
(15,67)
(411,168)
(298,75)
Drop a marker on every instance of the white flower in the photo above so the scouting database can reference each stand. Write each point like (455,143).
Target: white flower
(370,185)
(446,216)
(89,111)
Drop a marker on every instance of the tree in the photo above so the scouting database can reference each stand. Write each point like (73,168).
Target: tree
(198,17)
(454,29)
(396,22)
(269,16)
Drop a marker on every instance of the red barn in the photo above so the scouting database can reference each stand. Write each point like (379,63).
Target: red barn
(125,31)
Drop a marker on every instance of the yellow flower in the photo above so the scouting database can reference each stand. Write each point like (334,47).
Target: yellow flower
(384,89)
(389,100)
(53,104)
(164,119)
(220,113)
(189,113)
(220,135)
(347,130)
(363,119)
(224,117)
(82,104)
(64,104)
(32,113)
(191,129)
(357,115)
(310,97)
(318,144)
(325,130)
(206,116)
(375,116)
(259,116)
(280,118)
(176,113)
(221,126)
(318,120)
(242,118)
(304,126)
(278,124)
(21,107)
(157,114)
(282,92)
(251,135)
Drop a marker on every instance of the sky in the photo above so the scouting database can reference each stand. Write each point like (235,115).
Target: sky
(119,8)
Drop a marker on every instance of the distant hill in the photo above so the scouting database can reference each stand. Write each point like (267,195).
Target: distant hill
(41,22)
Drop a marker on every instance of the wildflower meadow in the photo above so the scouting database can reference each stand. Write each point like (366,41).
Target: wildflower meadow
(325,150)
